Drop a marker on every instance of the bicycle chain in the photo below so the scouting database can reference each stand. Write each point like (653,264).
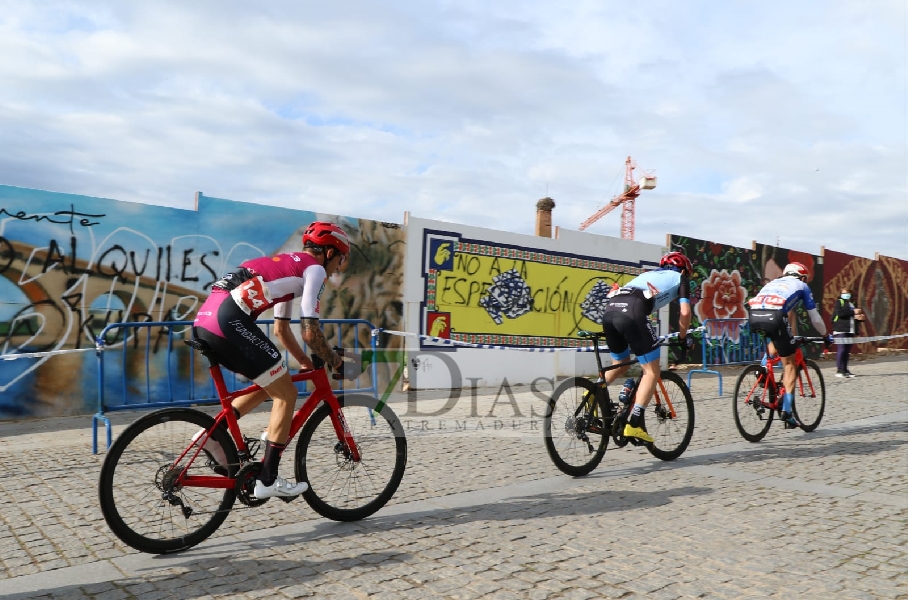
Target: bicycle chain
(243,493)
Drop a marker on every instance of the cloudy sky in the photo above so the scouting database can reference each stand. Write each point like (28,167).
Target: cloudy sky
(778,121)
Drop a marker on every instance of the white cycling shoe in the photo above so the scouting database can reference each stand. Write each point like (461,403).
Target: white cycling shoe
(211,448)
(280,488)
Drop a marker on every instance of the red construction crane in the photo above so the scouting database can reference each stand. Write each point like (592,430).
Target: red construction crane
(625,200)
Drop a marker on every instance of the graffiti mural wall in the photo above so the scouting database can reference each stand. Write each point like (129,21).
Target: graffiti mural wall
(880,287)
(483,292)
(513,291)
(70,265)
(725,277)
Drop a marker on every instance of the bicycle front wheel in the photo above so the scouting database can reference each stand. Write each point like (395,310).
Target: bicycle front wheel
(671,434)
(140,499)
(576,426)
(810,397)
(342,489)
(750,403)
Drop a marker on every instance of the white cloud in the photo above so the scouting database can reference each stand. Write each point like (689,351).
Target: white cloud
(471,111)
(742,190)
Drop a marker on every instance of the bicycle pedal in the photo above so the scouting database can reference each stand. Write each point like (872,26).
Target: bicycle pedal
(288,499)
(252,445)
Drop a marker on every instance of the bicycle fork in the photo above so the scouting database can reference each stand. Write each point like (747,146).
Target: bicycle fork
(346,445)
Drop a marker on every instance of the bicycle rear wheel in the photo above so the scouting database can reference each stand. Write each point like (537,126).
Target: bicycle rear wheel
(671,434)
(750,401)
(139,500)
(810,397)
(339,488)
(576,426)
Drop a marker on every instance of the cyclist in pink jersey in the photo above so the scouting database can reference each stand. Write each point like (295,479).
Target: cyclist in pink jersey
(226,322)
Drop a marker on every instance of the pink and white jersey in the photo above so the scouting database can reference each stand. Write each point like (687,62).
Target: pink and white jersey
(275,281)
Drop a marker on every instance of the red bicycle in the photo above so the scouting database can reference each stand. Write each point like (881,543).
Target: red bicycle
(758,395)
(160,493)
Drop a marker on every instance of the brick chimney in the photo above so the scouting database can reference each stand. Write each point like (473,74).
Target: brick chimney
(544,217)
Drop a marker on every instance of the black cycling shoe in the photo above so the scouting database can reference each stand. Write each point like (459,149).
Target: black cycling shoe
(790,421)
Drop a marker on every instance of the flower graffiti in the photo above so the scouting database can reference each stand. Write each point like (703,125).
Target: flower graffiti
(722,297)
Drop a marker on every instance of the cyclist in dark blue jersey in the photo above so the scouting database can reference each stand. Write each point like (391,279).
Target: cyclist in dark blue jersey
(628,329)
(772,313)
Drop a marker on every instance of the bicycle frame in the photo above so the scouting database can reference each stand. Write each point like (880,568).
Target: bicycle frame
(581,416)
(800,367)
(660,387)
(322,393)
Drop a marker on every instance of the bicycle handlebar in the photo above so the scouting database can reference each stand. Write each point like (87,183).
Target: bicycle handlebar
(665,339)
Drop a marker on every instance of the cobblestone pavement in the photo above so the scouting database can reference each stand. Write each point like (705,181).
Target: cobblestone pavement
(483,513)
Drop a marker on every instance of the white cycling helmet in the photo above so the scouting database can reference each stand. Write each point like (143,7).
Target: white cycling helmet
(796,269)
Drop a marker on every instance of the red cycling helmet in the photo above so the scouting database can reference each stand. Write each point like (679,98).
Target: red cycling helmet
(796,269)
(324,234)
(678,260)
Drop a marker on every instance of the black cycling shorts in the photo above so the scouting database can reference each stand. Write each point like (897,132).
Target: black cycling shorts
(244,348)
(774,325)
(626,324)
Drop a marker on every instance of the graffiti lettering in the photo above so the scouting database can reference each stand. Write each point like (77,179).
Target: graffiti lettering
(450,283)
(548,300)
(85,222)
(464,297)
(214,275)
(117,271)
(7,254)
(187,262)
(468,264)
(132,260)
(54,257)
(112,336)
(495,268)
(475,288)
(37,327)
(528,292)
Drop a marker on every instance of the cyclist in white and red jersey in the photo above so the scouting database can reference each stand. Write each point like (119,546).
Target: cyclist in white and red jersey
(772,312)
(627,328)
(226,322)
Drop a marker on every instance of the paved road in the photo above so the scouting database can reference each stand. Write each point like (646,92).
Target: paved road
(482,513)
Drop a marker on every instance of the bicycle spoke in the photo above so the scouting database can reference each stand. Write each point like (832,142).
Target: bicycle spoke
(753,416)
(343,489)
(136,480)
(671,433)
(810,397)
(576,427)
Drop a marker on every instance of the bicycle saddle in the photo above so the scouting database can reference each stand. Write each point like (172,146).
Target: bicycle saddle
(200,345)
(590,334)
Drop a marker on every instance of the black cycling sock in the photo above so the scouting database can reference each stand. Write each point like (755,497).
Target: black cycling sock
(636,416)
(271,461)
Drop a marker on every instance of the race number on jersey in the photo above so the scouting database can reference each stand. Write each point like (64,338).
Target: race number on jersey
(252,296)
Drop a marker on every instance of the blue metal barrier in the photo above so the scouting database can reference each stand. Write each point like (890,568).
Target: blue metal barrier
(727,342)
(176,375)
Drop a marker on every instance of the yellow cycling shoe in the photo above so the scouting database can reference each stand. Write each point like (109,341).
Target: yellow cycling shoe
(637,432)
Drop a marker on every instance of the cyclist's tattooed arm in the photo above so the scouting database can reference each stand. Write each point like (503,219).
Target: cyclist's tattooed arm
(313,336)
(286,338)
